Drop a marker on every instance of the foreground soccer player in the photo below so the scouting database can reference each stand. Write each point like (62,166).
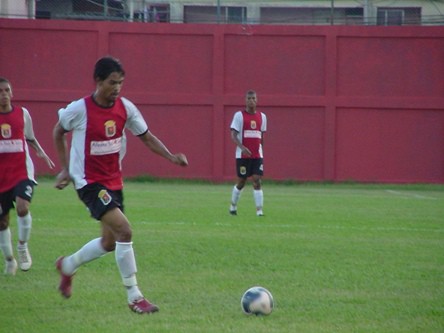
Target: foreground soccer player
(98,141)
(16,177)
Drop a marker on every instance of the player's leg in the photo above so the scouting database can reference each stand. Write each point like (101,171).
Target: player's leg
(23,194)
(24,225)
(116,222)
(94,249)
(6,245)
(256,177)
(236,194)
(241,171)
(258,194)
(68,266)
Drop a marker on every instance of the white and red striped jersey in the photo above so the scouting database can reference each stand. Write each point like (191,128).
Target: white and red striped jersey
(98,142)
(250,127)
(15,162)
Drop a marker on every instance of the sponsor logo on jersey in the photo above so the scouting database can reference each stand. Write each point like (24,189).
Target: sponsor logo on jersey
(6,131)
(110,128)
(11,146)
(252,134)
(106,147)
(104,197)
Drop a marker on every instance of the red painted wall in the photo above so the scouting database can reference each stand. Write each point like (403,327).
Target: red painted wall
(343,102)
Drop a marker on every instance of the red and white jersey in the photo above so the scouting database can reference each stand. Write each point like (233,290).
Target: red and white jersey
(98,142)
(250,127)
(15,163)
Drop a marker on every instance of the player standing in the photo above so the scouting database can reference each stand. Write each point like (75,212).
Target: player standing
(16,177)
(247,132)
(97,123)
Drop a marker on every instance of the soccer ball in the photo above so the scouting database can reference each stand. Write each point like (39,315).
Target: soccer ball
(258,301)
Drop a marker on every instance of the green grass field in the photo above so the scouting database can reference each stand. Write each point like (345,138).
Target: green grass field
(337,258)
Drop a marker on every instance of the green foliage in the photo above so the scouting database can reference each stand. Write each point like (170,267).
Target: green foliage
(337,258)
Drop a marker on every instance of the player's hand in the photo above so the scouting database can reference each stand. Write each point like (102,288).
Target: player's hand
(246,151)
(181,159)
(62,179)
(48,161)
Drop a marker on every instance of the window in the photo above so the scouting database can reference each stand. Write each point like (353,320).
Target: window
(101,7)
(315,15)
(209,14)
(398,16)
(158,13)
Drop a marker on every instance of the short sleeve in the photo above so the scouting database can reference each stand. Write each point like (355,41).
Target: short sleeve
(135,121)
(236,123)
(73,116)
(28,130)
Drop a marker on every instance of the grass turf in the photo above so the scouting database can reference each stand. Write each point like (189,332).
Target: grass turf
(337,258)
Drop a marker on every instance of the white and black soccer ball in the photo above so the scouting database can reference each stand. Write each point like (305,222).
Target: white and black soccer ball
(258,301)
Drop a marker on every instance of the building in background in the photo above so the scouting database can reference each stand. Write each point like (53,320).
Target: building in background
(16,9)
(303,12)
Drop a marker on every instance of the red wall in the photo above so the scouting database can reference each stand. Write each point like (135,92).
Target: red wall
(343,102)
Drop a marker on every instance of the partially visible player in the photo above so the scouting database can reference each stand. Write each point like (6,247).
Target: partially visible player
(97,123)
(247,132)
(16,177)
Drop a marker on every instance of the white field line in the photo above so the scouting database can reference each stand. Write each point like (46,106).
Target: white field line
(287,226)
(410,195)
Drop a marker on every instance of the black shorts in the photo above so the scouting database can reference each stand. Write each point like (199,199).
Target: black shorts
(99,199)
(24,189)
(246,167)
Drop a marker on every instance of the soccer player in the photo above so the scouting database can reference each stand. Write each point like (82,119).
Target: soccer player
(97,123)
(16,177)
(247,132)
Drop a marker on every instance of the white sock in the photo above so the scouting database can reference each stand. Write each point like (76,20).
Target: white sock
(235,196)
(126,262)
(90,251)
(258,199)
(24,227)
(5,243)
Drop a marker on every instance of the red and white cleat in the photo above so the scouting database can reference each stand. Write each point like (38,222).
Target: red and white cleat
(65,280)
(143,306)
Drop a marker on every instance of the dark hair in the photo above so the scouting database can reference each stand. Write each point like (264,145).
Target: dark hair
(105,66)
(4,80)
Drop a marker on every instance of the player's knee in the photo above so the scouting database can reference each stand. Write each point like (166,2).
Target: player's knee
(241,184)
(4,222)
(22,210)
(125,235)
(257,184)
(109,247)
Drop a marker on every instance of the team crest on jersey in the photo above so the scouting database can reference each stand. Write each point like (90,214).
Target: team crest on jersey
(243,170)
(6,131)
(105,197)
(110,128)
(253,124)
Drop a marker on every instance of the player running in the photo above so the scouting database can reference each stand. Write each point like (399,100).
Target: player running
(17,179)
(97,123)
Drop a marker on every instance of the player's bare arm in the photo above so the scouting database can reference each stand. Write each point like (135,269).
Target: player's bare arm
(234,137)
(157,146)
(34,144)
(63,178)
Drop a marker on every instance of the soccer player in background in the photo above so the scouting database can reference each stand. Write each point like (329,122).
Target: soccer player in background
(17,179)
(247,132)
(97,123)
